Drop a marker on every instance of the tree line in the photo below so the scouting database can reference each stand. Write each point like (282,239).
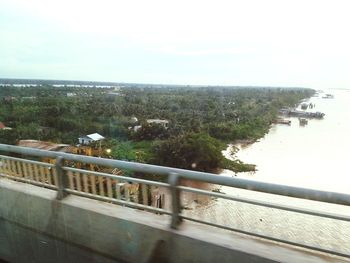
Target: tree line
(202,120)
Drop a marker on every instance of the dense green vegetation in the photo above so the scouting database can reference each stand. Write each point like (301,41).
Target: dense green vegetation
(201,119)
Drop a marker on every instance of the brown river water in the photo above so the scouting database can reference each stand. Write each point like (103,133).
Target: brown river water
(312,156)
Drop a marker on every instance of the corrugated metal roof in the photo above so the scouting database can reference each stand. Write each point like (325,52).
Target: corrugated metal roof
(157,121)
(95,136)
(49,146)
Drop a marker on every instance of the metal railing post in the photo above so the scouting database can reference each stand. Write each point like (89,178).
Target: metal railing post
(62,178)
(175,200)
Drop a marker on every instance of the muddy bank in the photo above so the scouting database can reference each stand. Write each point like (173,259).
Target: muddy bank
(233,148)
(233,163)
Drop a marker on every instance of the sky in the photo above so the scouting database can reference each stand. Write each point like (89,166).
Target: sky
(304,43)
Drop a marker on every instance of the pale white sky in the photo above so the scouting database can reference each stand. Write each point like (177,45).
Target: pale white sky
(248,42)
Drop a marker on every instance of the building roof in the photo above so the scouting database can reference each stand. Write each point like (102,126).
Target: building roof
(49,146)
(134,119)
(157,121)
(95,136)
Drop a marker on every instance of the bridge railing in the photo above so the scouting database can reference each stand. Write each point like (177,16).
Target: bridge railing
(275,218)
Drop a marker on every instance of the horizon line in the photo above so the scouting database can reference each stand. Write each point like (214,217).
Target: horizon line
(137,83)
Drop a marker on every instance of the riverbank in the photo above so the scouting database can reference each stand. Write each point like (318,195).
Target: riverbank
(232,149)
(309,156)
(233,163)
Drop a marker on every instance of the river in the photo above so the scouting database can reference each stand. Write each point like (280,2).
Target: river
(312,156)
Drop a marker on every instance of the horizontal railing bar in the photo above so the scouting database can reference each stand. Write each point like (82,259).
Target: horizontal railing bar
(26,161)
(315,195)
(297,192)
(24,180)
(119,202)
(268,204)
(114,176)
(336,253)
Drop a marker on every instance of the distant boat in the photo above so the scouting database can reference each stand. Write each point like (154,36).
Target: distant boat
(328,96)
(304,106)
(303,121)
(282,121)
(301,114)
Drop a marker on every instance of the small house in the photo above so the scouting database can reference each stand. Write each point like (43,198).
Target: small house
(3,127)
(134,119)
(87,139)
(163,123)
(48,146)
